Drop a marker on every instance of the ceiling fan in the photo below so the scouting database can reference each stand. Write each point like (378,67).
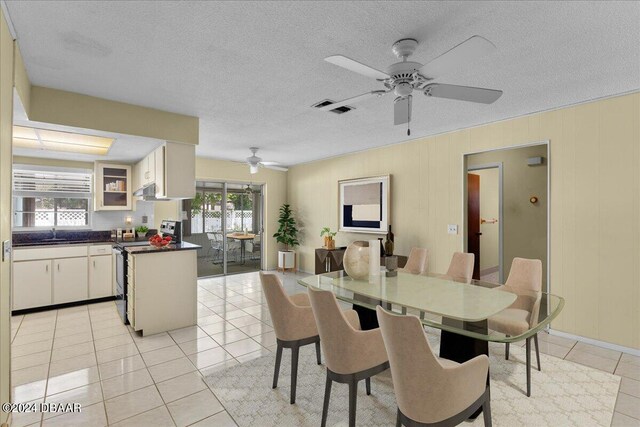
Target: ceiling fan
(406,76)
(256,162)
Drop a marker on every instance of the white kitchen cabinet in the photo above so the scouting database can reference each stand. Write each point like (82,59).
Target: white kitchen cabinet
(162,299)
(112,187)
(100,276)
(70,281)
(33,279)
(172,168)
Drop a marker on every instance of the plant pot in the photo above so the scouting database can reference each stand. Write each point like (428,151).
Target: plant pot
(140,234)
(330,243)
(286,260)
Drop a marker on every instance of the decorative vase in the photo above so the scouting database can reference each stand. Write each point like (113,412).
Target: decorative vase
(356,260)
(382,251)
(331,244)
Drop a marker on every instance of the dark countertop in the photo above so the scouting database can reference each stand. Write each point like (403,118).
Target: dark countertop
(184,246)
(61,243)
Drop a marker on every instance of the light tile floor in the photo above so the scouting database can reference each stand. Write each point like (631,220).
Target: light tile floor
(86,355)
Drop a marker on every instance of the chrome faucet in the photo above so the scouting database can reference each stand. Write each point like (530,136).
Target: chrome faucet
(53,231)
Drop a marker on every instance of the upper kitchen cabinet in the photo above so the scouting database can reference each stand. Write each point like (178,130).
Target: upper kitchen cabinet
(171,169)
(112,187)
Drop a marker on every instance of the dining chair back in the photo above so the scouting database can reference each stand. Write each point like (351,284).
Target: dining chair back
(429,390)
(417,261)
(461,267)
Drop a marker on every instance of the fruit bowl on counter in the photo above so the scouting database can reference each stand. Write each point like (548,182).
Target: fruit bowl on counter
(160,242)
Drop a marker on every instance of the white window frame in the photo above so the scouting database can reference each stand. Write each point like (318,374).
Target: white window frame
(53,194)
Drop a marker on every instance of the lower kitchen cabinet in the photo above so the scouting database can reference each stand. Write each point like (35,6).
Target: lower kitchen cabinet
(100,276)
(43,276)
(35,284)
(70,280)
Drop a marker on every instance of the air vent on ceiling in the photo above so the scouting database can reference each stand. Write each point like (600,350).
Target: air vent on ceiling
(339,110)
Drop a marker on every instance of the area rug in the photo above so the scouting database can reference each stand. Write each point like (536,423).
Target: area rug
(563,394)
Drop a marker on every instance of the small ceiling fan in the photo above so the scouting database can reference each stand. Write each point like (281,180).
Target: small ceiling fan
(256,162)
(406,76)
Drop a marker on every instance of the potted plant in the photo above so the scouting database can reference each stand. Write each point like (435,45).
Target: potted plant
(287,235)
(328,235)
(141,231)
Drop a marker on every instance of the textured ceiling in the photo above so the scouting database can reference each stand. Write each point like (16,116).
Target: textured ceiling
(251,70)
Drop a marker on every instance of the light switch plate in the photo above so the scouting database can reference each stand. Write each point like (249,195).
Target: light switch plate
(452,229)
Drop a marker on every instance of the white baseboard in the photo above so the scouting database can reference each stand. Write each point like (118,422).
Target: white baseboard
(616,347)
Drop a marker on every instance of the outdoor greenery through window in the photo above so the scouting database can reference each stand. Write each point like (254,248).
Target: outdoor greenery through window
(51,198)
(206,211)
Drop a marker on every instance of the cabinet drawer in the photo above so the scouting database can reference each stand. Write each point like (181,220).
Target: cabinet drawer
(50,252)
(100,250)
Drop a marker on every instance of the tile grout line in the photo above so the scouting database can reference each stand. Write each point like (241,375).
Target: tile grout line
(93,341)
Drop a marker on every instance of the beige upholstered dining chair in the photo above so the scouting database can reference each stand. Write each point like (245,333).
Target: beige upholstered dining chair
(417,261)
(461,267)
(525,280)
(431,391)
(351,355)
(294,325)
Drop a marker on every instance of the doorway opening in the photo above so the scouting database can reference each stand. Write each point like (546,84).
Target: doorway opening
(507,209)
(226,219)
(484,219)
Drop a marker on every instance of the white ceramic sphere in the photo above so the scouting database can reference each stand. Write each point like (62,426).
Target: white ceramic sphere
(356,260)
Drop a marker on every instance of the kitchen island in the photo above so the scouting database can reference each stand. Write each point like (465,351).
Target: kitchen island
(162,287)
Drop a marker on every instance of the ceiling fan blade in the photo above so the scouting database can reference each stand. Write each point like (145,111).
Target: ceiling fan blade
(402,110)
(356,67)
(277,168)
(270,163)
(458,57)
(463,93)
(353,100)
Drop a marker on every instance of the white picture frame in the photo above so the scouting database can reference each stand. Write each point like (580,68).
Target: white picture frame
(364,205)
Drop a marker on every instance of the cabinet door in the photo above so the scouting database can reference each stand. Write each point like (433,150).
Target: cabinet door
(151,167)
(112,187)
(100,274)
(159,172)
(31,284)
(70,280)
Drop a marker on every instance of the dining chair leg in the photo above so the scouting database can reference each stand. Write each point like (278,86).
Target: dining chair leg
(506,351)
(486,412)
(318,357)
(535,341)
(367,383)
(327,396)
(528,351)
(404,310)
(422,315)
(353,396)
(398,420)
(276,372)
(295,351)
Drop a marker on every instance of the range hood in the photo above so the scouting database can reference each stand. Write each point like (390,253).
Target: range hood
(148,193)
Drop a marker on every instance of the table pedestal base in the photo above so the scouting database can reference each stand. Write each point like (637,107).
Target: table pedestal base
(460,348)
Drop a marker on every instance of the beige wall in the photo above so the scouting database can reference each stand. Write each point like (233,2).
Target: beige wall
(524,224)
(595,204)
(489,209)
(275,193)
(6,118)
(76,110)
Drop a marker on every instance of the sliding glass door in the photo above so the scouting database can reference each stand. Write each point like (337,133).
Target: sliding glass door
(226,220)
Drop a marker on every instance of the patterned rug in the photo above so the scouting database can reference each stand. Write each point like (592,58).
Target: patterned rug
(563,394)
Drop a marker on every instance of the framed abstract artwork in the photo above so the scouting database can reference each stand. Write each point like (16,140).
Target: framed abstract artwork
(364,204)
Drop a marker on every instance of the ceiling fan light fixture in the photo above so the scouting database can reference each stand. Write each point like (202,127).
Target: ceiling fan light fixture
(253,169)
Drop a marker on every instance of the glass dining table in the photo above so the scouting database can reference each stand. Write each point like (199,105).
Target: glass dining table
(462,311)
